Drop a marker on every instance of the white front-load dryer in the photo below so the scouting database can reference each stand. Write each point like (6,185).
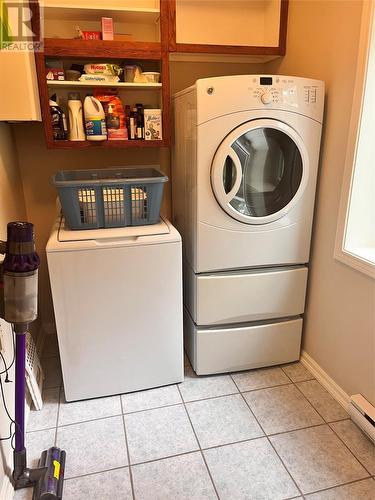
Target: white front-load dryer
(245,177)
(245,164)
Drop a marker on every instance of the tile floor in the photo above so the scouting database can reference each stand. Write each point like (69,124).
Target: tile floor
(273,434)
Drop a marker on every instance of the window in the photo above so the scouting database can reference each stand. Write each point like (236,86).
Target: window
(355,239)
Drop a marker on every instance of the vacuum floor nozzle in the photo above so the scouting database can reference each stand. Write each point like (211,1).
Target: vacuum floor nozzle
(50,485)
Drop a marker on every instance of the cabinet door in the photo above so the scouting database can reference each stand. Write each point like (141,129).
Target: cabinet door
(19,97)
(228,26)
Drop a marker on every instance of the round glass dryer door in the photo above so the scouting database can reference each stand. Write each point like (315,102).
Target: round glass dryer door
(259,171)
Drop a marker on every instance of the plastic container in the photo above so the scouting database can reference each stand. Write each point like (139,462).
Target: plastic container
(58,119)
(152,76)
(72,75)
(113,197)
(76,130)
(129,73)
(94,119)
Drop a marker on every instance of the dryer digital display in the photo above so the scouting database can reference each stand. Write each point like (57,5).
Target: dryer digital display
(265,80)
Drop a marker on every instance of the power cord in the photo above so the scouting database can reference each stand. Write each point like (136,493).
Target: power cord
(14,357)
(7,368)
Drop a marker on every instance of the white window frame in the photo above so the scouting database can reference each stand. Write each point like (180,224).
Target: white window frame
(341,253)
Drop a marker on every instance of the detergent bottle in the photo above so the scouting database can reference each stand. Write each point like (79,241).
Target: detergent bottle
(76,130)
(94,119)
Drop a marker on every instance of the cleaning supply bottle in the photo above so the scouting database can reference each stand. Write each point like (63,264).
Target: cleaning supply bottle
(58,119)
(94,119)
(133,124)
(76,130)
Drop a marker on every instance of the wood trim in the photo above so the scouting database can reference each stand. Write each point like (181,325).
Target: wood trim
(35,20)
(164,25)
(165,98)
(52,144)
(44,96)
(284,7)
(171,13)
(101,48)
(227,49)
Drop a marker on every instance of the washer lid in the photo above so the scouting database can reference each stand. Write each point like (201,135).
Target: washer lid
(66,234)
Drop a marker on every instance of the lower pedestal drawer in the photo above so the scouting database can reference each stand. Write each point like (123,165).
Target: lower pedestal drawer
(244,296)
(233,348)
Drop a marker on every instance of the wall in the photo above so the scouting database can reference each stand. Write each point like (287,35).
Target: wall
(38,164)
(340,321)
(11,208)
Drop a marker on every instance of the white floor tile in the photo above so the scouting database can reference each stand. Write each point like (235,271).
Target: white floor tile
(90,409)
(357,442)
(194,387)
(110,485)
(249,470)
(322,401)
(45,418)
(297,372)
(178,478)
(362,490)
(317,459)
(283,408)
(93,446)
(159,433)
(259,379)
(223,420)
(36,443)
(152,398)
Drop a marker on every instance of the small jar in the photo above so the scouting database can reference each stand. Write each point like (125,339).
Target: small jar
(129,73)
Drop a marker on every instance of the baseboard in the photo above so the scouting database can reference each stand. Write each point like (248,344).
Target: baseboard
(7,491)
(327,382)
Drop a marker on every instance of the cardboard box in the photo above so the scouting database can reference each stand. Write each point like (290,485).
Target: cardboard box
(153,127)
(107,28)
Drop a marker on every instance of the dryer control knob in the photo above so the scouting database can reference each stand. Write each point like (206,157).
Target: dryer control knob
(266,98)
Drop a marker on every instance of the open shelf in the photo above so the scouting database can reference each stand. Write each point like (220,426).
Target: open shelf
(105,144)
(66,12)
(94,49)
(122,85)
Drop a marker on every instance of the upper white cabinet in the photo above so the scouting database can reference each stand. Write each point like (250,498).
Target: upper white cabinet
(19,95)
(228,26)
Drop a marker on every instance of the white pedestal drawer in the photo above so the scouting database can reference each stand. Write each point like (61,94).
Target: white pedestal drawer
(241,296)
(232,348)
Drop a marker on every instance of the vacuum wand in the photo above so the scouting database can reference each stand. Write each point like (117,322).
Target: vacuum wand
(18,306)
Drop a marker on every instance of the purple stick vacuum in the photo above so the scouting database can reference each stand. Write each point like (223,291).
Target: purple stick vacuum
(19,301)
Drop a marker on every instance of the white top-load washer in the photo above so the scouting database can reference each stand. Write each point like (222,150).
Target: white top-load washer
(245,164)
(117,296)
(245,168)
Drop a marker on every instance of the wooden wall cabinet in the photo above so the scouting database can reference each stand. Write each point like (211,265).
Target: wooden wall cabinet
(161,29)
(250,27)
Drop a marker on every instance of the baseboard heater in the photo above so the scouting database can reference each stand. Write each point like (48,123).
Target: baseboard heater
(363,413)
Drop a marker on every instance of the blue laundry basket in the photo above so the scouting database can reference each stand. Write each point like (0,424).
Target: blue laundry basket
(113,197)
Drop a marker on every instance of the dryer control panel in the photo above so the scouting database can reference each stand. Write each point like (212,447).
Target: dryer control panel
(285,90)
(224,95)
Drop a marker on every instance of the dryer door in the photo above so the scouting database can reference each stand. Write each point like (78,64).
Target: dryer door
(260,171)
